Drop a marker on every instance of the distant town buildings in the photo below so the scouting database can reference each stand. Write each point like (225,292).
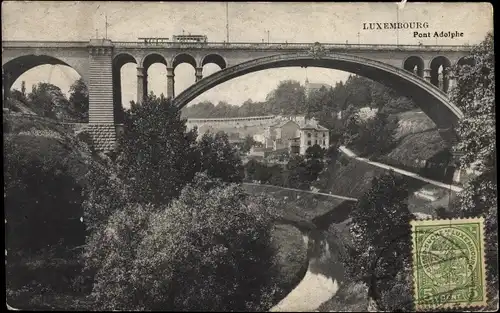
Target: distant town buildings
(293,134)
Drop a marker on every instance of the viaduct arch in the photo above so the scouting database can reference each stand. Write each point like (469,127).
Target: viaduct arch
(433,101)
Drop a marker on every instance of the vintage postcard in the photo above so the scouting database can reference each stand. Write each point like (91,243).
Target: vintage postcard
(244,156)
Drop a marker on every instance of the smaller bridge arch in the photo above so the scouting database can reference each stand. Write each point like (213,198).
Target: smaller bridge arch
(466,60)
(119,61)
(14,68)
(215,59)
(414,64)
(440,66)
(183,58)
(152,58)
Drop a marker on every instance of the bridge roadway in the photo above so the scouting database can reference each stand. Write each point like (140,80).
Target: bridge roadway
(233,45)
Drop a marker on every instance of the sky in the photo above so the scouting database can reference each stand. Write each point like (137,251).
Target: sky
(248,22)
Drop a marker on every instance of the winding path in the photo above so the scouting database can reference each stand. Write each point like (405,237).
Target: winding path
(351,154)
(305,191)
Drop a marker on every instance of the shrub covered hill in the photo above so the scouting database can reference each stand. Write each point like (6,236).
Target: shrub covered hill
(62,199)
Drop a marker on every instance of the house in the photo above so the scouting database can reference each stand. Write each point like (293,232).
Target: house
(313,134)
(277,135)
(259,138)
(294,145)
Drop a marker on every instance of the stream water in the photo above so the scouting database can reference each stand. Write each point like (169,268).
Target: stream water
(321,281)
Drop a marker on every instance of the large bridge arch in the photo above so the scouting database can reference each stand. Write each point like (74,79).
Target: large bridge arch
(433,102)
(15,67)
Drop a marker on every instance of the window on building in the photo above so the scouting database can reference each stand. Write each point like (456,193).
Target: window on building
(308,135)
(309,142)
(323,142)
(324,134)
(316,142)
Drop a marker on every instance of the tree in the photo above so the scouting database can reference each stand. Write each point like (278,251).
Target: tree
(247,144)
(377,135)
(474,94)
(79,99)
(315,152)
(251,169)
(288,97)
(47,100)
(380,227)
(219,158)
(296,175)
(209,250)
(351,125)
(23,88)
(156,157)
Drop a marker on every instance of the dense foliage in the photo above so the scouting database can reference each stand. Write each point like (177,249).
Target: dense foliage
(372,137)
(209,249)
(155,151)
(48,100)
(299,172)
(220,158)
(44,173)
(474,94)
(380,228)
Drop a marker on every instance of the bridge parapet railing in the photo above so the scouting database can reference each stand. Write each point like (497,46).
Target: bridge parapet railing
(289,46)
(44,44)
(235,45)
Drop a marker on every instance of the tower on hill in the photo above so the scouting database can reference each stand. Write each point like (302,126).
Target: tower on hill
(310,87)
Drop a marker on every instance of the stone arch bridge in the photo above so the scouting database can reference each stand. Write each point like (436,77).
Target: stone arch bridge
(418,71)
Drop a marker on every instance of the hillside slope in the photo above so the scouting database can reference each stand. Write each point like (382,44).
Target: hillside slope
(45,167)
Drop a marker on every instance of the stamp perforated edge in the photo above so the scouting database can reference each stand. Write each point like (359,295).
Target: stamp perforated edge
(449,306)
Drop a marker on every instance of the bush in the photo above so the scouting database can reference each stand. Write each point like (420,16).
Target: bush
(110,253)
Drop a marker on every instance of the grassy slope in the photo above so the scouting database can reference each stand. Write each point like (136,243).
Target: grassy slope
(418,139)
(413,122)
(291,257)
(297,205)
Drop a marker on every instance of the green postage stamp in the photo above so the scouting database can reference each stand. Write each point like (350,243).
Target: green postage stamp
(448,263)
